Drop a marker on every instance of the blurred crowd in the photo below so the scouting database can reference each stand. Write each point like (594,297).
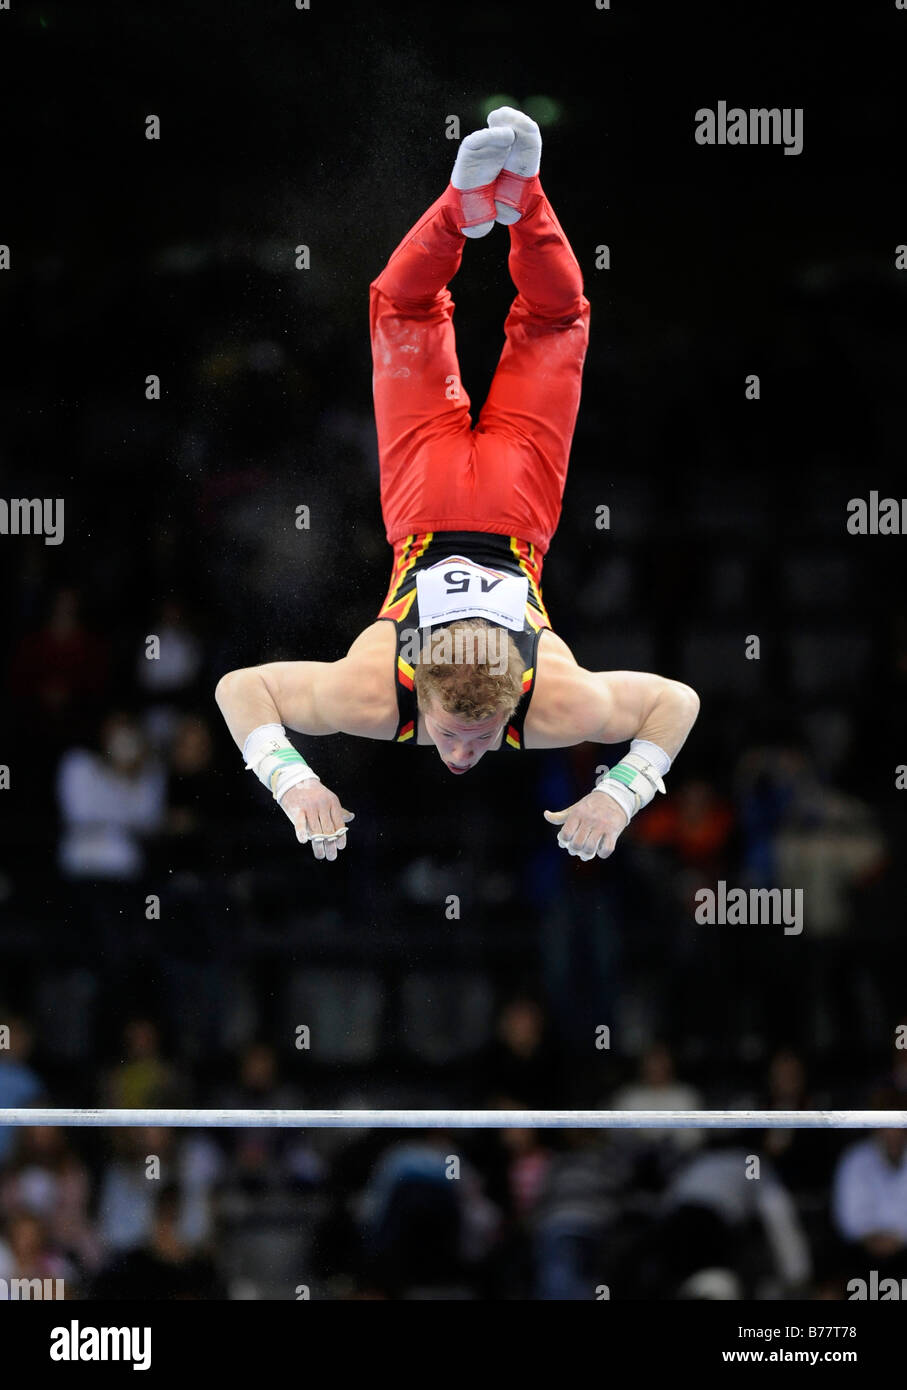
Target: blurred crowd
(506,1214)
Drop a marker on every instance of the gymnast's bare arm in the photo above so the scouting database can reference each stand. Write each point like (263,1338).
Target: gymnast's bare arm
(573,705)
(354,695)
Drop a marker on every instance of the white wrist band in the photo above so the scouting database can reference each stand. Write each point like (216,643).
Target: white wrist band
(656,756)
(276,763)
(636,778)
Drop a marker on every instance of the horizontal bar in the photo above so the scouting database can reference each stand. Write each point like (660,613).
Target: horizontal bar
(463,1119)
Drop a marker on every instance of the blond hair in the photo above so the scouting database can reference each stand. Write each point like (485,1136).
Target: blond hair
(472,668)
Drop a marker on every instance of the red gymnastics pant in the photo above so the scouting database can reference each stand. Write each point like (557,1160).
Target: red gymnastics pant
(507,474)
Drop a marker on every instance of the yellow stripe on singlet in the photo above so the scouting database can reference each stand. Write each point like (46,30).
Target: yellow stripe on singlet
(407,561)
(526,567)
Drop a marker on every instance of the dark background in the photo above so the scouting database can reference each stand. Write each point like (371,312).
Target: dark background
(728,518)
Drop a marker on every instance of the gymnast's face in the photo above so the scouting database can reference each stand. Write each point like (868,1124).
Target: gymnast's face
(460,742)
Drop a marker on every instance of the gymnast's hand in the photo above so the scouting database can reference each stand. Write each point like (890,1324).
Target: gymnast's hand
(590,827)
(318,817)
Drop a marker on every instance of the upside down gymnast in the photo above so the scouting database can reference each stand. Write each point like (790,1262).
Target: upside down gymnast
(462,655)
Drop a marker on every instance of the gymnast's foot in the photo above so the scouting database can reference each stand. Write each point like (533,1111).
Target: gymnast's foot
(523,160)
(479,161)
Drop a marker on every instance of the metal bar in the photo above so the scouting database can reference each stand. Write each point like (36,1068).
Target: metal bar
(462,1119)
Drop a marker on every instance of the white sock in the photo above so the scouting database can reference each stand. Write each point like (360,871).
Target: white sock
(480,159)
(525,155)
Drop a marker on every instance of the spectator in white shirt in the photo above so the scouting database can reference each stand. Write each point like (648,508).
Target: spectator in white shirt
(708,1217)
(869,1195)
(658,1089)
(108,801)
